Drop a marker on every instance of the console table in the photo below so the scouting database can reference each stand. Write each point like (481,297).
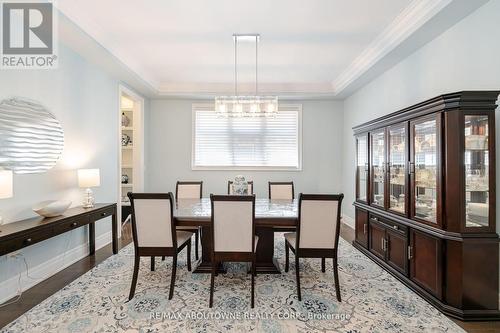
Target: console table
(21,234)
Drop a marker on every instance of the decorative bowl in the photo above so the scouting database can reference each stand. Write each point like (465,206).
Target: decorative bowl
(51,208)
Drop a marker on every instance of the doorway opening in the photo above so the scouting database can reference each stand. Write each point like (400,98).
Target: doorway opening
(131,153)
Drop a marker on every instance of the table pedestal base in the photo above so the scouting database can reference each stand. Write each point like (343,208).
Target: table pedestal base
(266,263)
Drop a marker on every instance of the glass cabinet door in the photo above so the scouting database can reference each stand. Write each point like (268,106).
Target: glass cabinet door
(362,168)
(424,169)
(397,168)
(377,175)
(476,160)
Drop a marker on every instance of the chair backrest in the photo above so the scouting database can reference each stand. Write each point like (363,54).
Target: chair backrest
(189,190)
(230,187)
(281,190)
(233,226)
(319,221)
(152,219)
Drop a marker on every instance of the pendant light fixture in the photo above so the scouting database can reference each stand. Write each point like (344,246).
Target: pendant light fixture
(246,106)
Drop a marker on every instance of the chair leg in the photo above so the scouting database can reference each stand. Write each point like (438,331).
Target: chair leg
(323,269)
(172,280)
(189,255)
(297,274)
(212,277)
(287,256)
(336,277)
(134,277)
(152,263)
(253,283)
(197,240)
(163,258)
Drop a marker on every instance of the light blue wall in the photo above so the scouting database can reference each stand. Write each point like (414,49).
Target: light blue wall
(85,100)
(466,57)
(168,133)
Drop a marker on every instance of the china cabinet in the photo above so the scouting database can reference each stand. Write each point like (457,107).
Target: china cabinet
(425,200)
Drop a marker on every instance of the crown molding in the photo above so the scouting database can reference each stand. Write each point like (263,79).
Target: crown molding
(417,24)
(411,29)
(406,23)
(99,50)
(210,90)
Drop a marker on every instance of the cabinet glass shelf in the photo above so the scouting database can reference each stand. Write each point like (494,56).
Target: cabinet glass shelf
(476,161)
(378,167)
(425,159)
(362,167)
(397,168)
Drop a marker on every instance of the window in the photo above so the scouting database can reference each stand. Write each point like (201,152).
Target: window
(247,143)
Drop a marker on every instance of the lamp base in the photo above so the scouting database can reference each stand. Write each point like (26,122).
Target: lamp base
(88,199)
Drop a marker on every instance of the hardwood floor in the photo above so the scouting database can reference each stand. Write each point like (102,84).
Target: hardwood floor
(50,286)
(45,289)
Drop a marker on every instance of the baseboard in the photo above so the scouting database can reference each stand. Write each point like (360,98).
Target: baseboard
(348,221)
(9,288)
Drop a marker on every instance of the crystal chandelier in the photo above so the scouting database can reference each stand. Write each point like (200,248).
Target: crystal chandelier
(246,106)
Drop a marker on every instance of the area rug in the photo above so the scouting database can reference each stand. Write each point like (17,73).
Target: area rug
(372,300)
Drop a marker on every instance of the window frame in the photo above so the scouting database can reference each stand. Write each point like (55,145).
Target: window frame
(211,107)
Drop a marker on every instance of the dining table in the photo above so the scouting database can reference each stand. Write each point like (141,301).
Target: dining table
(270,216)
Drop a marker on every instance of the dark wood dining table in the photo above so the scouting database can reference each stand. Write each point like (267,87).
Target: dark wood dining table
(269,214)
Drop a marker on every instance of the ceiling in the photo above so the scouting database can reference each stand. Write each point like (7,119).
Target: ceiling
(307,47)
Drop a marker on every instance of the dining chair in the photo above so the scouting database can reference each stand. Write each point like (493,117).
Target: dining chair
(281,191)
(154,233)
(190,190)
(233,234)
(317,234)
(230,187)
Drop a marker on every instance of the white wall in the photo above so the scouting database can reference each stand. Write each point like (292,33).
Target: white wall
(85,100)
(168,159)
(466,57)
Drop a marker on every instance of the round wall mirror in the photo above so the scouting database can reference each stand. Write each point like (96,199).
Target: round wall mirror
(31,138)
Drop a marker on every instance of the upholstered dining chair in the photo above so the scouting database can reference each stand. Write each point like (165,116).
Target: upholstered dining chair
(281,191)
(190,190)
(317,234)
(154,233)
(233,234)
(230,187)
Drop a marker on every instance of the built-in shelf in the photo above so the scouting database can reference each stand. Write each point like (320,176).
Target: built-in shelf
(127,166)
(127,128)
(127,147)
(128,185)
(127,110)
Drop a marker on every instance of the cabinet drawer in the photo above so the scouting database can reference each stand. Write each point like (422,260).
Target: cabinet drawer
(389,224)
(100,214)
(71,224)
(20,242)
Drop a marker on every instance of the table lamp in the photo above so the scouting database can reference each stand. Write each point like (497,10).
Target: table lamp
(6,186)
(88,178)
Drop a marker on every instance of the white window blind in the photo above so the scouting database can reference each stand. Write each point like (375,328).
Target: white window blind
(247,143)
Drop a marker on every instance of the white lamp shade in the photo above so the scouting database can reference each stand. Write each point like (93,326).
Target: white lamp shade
(6,184)
(89,178)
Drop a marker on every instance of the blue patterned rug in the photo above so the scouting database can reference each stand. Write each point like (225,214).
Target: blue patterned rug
(372,300)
